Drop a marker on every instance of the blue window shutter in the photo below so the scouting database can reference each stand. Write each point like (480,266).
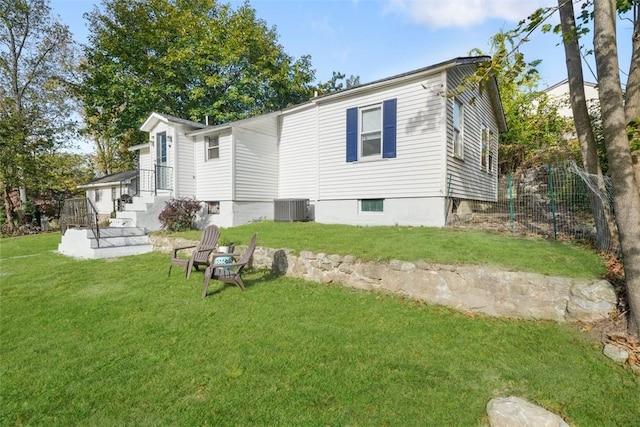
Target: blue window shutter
(389,115)
(352,134)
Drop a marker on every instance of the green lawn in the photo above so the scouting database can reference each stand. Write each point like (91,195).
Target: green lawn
(438,245)
(116,342)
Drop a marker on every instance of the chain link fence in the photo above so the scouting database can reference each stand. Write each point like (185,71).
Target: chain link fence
(559,202)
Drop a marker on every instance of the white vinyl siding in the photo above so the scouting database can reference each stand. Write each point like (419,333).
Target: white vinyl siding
(145,160)
(298,155)
(468,180)
(214,179)
(416,169)
(183,167)
(256,160)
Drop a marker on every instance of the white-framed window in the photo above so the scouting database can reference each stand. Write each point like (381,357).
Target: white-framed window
(458,123)
(371,131)
(372,205)
(491,155)
(213,208)
(97,195)
(484,147)
(212,146)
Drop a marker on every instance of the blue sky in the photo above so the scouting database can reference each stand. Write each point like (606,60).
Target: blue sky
(375,39)
(379,38)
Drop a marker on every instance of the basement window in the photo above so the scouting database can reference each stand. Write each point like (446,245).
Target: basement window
(213,208)
(372,205)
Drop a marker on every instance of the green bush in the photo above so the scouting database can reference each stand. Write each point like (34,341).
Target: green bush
(179,214)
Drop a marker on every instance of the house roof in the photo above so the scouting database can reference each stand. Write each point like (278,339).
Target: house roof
(459,61)
(424,70)
(202,129)
(154,118)
(229,125)
(109,180)
(566,82)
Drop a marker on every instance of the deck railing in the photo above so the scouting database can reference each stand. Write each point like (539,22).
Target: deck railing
(152,180)
(80,212)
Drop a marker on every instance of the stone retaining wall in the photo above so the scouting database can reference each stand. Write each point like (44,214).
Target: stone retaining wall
(476,289)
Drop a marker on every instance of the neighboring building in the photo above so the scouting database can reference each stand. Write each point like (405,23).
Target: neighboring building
(107,192)
(402,150)
(559,93)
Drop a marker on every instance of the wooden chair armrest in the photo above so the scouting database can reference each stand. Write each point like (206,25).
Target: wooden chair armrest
(205,249)
(175,250)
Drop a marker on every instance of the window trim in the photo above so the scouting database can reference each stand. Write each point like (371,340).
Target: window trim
(484,147)
(362,133)
(388,135)
(213,207)
(371,205)
(208,147)
(458,129)
(491,154)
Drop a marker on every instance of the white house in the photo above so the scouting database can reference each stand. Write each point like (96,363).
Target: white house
(106,192)
(559,94)
(403,150)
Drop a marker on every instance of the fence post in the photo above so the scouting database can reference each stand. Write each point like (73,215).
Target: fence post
(553,203)
(511,216)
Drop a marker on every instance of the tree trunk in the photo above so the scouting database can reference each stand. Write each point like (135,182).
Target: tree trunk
(577,97)
(632,93)
(8,210)
(605,228)
(626,195)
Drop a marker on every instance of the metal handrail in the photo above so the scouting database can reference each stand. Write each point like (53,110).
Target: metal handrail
(152,180)
(80,212)
(146,182)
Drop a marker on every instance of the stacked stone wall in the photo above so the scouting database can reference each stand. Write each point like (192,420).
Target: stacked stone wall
(476,289)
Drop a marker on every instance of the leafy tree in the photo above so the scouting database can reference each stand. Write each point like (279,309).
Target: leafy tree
(36,65)
(535,129)
(626,189)
(335,84)
(577,97)
(187,58)
(59,180)
(618,110)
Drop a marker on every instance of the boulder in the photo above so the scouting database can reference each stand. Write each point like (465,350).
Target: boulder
(515,412)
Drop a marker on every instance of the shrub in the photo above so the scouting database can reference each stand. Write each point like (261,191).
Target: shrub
(179,214)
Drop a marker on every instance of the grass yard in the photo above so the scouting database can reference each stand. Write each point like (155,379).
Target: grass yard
(438,245)
(116,342)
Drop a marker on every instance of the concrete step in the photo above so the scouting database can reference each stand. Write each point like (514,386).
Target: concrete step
(142,212)
(121,222)
(119,232)
(136,206)
(114,242)
(118,251)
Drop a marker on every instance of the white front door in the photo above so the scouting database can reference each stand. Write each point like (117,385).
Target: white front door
(162,178)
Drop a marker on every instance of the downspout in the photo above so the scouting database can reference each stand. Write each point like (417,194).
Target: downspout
(445,179)
(174,148)
(232,168)
(317,157)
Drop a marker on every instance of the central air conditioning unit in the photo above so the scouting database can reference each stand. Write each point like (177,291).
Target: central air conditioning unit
(291,210)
